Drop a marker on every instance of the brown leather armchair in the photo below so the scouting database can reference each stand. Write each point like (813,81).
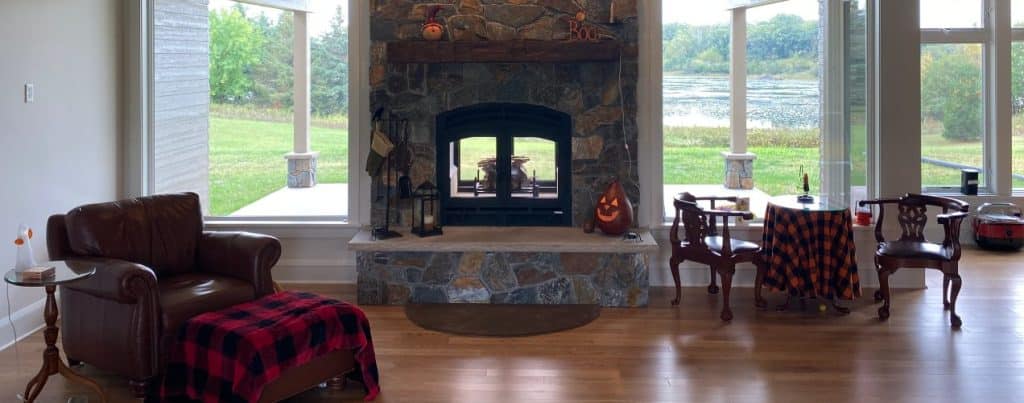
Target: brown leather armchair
(156,267)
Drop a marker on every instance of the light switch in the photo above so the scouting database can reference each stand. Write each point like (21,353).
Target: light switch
(30,93)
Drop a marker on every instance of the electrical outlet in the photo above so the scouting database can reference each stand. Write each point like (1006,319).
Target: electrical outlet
(30,93)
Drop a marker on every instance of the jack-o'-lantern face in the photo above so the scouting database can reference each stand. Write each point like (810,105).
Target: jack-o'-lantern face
(613,213)
(607,211)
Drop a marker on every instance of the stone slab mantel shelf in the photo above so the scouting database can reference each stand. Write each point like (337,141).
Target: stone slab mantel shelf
(507,239)
(515,51)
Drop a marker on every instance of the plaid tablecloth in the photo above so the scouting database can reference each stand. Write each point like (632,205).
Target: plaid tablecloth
(810,253)
(230,355)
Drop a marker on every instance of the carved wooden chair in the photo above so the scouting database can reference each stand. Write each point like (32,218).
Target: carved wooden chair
(701,243)
(912,250)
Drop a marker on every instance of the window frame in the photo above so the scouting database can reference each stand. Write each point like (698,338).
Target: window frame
(970,36)
(651,103)
(1016,36)
(138,179)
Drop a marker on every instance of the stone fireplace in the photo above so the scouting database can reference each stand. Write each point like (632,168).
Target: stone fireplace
(517,125)
(598,97)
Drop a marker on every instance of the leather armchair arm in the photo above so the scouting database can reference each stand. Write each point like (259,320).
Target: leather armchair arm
(243,255)
(116,280)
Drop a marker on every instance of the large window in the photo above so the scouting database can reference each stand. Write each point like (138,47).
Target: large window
(782,97)
(253,111)
(953,129)
(952,124)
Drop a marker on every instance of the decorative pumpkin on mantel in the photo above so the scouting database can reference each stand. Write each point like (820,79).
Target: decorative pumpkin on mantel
(433,30)
(613,213)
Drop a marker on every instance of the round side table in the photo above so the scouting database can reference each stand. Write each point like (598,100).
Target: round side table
(52,364)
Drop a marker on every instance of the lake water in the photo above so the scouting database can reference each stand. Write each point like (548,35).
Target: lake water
(771,103)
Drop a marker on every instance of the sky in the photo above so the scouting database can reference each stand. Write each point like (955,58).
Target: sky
(319,20)
(934,13)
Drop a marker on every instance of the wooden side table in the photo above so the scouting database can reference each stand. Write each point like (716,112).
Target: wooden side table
(52,364)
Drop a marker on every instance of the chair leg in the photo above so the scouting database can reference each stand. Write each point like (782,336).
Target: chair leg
(674,265)
(945,291)
(726,274)
(712,288)
(883,288)
(759,301)
(954,319)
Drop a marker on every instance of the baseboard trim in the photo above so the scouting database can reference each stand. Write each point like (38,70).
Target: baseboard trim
(27,321)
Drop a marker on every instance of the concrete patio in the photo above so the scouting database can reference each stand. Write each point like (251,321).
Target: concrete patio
(322,200)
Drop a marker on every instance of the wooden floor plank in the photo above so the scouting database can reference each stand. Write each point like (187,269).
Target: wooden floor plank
(685,354)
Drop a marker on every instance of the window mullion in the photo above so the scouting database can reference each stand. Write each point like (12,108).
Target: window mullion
(999,129)
(971,35)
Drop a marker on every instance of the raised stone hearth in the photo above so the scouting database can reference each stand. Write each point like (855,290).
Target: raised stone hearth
(504,265)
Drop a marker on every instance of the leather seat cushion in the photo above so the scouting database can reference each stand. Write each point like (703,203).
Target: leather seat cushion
(715,243)
(187,295)
(917,250)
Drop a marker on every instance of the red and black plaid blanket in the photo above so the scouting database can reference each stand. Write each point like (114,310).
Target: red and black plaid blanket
(230,355)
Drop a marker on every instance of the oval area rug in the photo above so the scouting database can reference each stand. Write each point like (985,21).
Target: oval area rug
(501,320)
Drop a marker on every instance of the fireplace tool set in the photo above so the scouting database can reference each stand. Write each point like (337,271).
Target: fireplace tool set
(386,161)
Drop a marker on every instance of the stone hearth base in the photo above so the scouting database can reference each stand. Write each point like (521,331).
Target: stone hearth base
(613,279)
(392,272)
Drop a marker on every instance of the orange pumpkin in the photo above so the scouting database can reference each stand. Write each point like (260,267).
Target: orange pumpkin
(613,213)
(433,31)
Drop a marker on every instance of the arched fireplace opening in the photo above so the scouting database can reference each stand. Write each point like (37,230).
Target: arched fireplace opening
(505,164)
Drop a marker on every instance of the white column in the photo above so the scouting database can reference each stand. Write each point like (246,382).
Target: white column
(739,164)
(835,138)
(300,68)
(301,161)
(738,81)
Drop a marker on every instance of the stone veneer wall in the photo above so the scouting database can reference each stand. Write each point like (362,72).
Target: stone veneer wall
(589,92)
(608,279)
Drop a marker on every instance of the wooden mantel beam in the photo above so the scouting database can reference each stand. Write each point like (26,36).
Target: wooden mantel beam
(522,51)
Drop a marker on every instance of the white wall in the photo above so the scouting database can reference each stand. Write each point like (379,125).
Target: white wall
(61,150)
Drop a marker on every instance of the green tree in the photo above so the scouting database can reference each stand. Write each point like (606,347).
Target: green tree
(329,80)
(273,75)
(1018,76)
(951,90)
(234,49)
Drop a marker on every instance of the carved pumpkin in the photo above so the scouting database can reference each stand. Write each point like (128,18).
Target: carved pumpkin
(613,213)
(432,31)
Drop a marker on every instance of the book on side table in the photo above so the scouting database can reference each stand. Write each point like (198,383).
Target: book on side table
(37,273)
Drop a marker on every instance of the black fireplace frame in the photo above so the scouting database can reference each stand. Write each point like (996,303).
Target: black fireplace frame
(505,122)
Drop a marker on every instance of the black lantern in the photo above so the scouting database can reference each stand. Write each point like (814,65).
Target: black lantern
(425,200)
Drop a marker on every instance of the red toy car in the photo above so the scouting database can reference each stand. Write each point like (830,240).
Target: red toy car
(999,226)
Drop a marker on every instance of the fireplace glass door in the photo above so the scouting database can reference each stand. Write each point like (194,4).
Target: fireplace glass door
(506,166)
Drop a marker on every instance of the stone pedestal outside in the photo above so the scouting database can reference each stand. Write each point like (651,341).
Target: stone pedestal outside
(302,169)
(739,170)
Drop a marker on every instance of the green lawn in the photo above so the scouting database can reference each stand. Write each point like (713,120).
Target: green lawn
(247,157)
(247,160)
(694,156)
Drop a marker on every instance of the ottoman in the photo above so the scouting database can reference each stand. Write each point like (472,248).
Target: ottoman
(270,349)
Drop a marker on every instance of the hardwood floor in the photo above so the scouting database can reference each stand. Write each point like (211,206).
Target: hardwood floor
(685,354)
